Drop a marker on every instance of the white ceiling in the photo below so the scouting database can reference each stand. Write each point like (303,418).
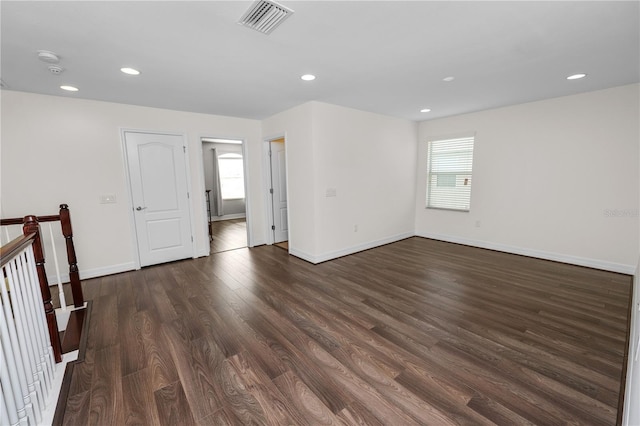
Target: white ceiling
(387,57)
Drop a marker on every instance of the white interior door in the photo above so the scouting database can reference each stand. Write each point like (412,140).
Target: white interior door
(159,190)
(279,194)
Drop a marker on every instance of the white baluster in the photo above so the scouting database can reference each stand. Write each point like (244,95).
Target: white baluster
(26,336)
(63,302)
(7,392)
(9,339)
(34,305)
(11,390)
(41,316)
(4,415)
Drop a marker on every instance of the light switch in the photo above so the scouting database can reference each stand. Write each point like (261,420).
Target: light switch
(107,199)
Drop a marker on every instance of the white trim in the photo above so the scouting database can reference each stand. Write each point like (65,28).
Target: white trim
(540,254)
(107,270)
(204,252)
(247,195)
(205,220)
(86,274)
(192,217)
(301,254)
(257,243)
(54,392)
(349,250)
(132,222)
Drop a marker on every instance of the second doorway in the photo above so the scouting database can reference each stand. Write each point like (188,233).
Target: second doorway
(225,194)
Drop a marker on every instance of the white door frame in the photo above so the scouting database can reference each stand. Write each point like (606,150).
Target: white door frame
(268,199)
(247,197)
(132,223)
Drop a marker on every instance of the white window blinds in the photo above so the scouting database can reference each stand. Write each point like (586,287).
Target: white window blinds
(449,173)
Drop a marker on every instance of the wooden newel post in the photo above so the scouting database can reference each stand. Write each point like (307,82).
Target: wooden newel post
(74,276)
(31,225)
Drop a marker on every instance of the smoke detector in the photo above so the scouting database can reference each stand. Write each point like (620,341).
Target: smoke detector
(264,16)
(55,70)
(48,57)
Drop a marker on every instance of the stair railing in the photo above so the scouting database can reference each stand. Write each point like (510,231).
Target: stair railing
(64,217)
(28,334)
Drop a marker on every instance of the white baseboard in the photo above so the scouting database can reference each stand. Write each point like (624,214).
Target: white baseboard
(202,252)
(86,274)
(107,270)
(256,243)
(302,255)
(349,250)
(539,254)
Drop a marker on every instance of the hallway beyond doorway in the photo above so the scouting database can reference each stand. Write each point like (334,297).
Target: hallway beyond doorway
(228,235)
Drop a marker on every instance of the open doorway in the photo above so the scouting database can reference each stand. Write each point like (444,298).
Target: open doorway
(225,195)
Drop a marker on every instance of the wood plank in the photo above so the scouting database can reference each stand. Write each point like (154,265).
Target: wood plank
(106,405)
(139,399)
(173,408)
(414,332)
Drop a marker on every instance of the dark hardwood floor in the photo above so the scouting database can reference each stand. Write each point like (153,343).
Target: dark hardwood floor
(228,235)
(415,332)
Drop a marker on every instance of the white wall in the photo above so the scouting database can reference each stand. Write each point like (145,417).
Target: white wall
(63,150)
(555,179)
(296,125)
(368,159)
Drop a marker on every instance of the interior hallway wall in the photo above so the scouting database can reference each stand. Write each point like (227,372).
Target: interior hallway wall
(64,150)
(556,179)
(351,178)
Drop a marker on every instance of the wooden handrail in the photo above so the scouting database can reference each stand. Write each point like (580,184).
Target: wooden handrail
(65,222)
(10,250)
(20,220)
(31,225)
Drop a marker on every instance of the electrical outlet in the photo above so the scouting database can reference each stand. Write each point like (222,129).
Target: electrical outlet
(477,224)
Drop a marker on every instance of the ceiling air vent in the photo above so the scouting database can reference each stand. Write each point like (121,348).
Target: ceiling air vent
(265,16)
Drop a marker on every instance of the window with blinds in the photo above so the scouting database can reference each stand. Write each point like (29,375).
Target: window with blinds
(449,167)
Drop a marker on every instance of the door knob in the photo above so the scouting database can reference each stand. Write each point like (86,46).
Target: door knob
(140,208)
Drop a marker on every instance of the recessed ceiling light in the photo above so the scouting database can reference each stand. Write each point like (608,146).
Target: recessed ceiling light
(130,71)
(448,79)
(69,88)
(425,110)
(576,76)
(308,77)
